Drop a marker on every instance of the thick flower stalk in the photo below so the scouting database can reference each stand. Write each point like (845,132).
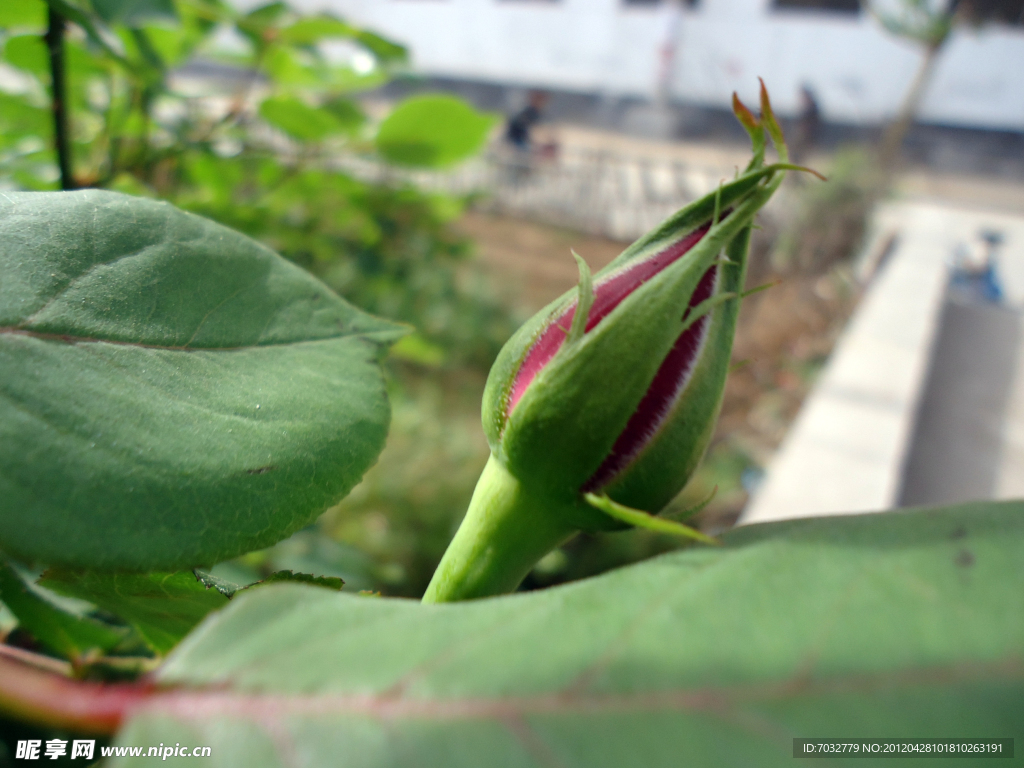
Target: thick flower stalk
(600,407)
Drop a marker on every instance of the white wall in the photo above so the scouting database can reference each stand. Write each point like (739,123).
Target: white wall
(858,71)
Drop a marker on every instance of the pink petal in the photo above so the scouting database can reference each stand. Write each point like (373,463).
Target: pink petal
(668,384)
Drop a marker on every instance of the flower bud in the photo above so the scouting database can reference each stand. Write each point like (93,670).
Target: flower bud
(612,391)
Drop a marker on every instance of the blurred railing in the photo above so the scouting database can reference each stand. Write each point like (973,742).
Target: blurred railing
(597,191)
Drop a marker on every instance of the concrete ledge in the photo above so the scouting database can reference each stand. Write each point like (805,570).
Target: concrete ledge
(846,449)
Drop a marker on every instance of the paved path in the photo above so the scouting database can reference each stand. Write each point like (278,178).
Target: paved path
(922,400)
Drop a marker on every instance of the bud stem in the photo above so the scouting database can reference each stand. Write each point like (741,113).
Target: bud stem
(505,532)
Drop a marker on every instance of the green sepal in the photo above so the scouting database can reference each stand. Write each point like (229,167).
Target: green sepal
(640,519)
(659,472)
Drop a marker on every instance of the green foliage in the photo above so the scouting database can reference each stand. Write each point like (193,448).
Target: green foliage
(267,164)
(134,13)
(247,395)
(301,121)
(902,624)
(23,14)
(61,631)
(162,607)
(173,393)
(388,249)
(432,131)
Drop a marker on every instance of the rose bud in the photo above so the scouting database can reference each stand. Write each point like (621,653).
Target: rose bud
(598,410)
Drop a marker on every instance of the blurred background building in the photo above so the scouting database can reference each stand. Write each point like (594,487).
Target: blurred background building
(697,52)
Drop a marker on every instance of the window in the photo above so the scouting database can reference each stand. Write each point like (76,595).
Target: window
(654,3)
(998,11)
(835,6)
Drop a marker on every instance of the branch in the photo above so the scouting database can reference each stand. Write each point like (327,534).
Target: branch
(54,39)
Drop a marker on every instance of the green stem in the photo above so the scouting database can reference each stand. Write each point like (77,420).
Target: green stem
(505,532)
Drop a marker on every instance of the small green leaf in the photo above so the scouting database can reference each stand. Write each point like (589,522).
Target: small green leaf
(65,633)
(300,120)
(163,607)
(432,131)
(905,624)
(172,393)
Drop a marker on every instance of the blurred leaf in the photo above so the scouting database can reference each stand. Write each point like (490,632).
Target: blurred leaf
(316,28)
(78,58)
(260,24)
(385,50)
(286,67)
(347,112)
(28,52)
(299,120)
(432,131)
(64,633)
(904,624)
(19,117)
(249,397)
(172,45)
(90,23)
(15,14)
(134,13)
(267,15)
(163,607)
(415,349)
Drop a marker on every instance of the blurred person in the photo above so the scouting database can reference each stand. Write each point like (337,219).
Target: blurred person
(973,270)
(519,127)
(519,136)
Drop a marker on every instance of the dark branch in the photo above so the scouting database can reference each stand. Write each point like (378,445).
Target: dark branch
(55,44)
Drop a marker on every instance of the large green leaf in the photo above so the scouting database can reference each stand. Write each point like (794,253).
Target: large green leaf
(172,393)
(903,624)
(434,130)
